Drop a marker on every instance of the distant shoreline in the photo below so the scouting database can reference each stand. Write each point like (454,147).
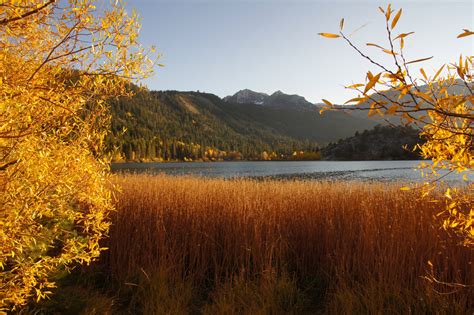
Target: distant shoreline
(363,171)
(240,161)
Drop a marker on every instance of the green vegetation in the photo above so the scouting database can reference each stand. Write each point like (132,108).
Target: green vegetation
(173,125)
(379,143)
(190,126)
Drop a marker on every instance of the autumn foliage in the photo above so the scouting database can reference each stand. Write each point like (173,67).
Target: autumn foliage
(59,62)
(440,105)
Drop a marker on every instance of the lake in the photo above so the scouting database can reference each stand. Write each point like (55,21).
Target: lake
(342,170)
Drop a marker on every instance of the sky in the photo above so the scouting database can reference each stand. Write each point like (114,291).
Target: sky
(223,46)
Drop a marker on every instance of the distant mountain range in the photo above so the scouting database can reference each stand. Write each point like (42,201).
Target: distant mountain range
(276,100)
(457,89)
(173,125)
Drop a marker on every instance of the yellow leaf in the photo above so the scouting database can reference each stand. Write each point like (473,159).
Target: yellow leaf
(322,110)
(438,72)
(390,52)
(391,110)
(419,60)
(425,96)
(329,35)
(388,12)
(448,194)
(404,91)
(405,188)
(395,19)
(460,72)
(372,83)
(327,102)
(466,33)
(402,35)
(375,45)
(372,112)
(423,73)
(352,100)
(354,86)
(370,75)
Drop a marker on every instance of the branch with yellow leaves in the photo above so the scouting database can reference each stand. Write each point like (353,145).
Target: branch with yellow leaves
(28,13)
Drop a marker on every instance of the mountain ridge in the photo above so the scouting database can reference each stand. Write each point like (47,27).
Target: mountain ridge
(170,125)
(276,99)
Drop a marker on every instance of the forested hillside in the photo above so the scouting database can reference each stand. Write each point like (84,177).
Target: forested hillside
(379,143)
(175,125)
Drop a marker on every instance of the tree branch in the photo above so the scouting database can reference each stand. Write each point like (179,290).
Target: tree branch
(6,21)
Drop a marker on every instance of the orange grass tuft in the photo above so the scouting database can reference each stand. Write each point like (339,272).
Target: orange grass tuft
(370,242)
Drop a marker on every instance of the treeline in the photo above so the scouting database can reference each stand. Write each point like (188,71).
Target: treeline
(176,126)
(176,150)
(379,143)
(192,126)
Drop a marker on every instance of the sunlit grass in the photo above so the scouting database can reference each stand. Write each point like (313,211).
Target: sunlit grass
(292,246)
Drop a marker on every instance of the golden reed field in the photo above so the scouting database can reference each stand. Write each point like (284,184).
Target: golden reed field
(181,245)
(188,245)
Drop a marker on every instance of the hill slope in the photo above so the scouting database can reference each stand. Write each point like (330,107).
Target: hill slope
(379,143)
(176,125)
(457,89)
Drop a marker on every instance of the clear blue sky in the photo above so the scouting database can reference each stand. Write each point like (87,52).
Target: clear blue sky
(223,46)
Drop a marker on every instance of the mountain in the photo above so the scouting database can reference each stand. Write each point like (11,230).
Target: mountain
(457,89)
(379,143)
(282,100)
(247,97)
(276,100)
(171,125)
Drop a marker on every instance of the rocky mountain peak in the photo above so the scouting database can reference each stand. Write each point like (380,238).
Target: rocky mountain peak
(277,99)
(247,96)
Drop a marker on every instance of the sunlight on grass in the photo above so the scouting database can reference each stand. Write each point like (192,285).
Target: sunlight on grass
(333,247)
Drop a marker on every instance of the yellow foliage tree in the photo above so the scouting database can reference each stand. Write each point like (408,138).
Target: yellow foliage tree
(441,106)
(59,63)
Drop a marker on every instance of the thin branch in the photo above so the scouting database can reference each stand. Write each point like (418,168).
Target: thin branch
(6,165)
(364,55)
(47,59)
(24,15)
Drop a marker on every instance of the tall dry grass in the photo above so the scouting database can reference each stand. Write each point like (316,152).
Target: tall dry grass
(240,246)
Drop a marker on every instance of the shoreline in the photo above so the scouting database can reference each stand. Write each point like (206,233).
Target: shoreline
(239,161)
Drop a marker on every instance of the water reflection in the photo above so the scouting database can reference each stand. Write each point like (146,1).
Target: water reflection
(343,170)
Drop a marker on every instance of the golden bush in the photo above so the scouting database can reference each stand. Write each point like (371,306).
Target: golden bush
(59,62)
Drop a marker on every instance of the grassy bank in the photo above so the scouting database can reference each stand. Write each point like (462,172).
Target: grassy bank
(189,245)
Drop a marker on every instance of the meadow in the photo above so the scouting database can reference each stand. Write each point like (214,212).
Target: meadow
(187,245)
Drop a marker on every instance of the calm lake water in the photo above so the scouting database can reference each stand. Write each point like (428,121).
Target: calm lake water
(342,170)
